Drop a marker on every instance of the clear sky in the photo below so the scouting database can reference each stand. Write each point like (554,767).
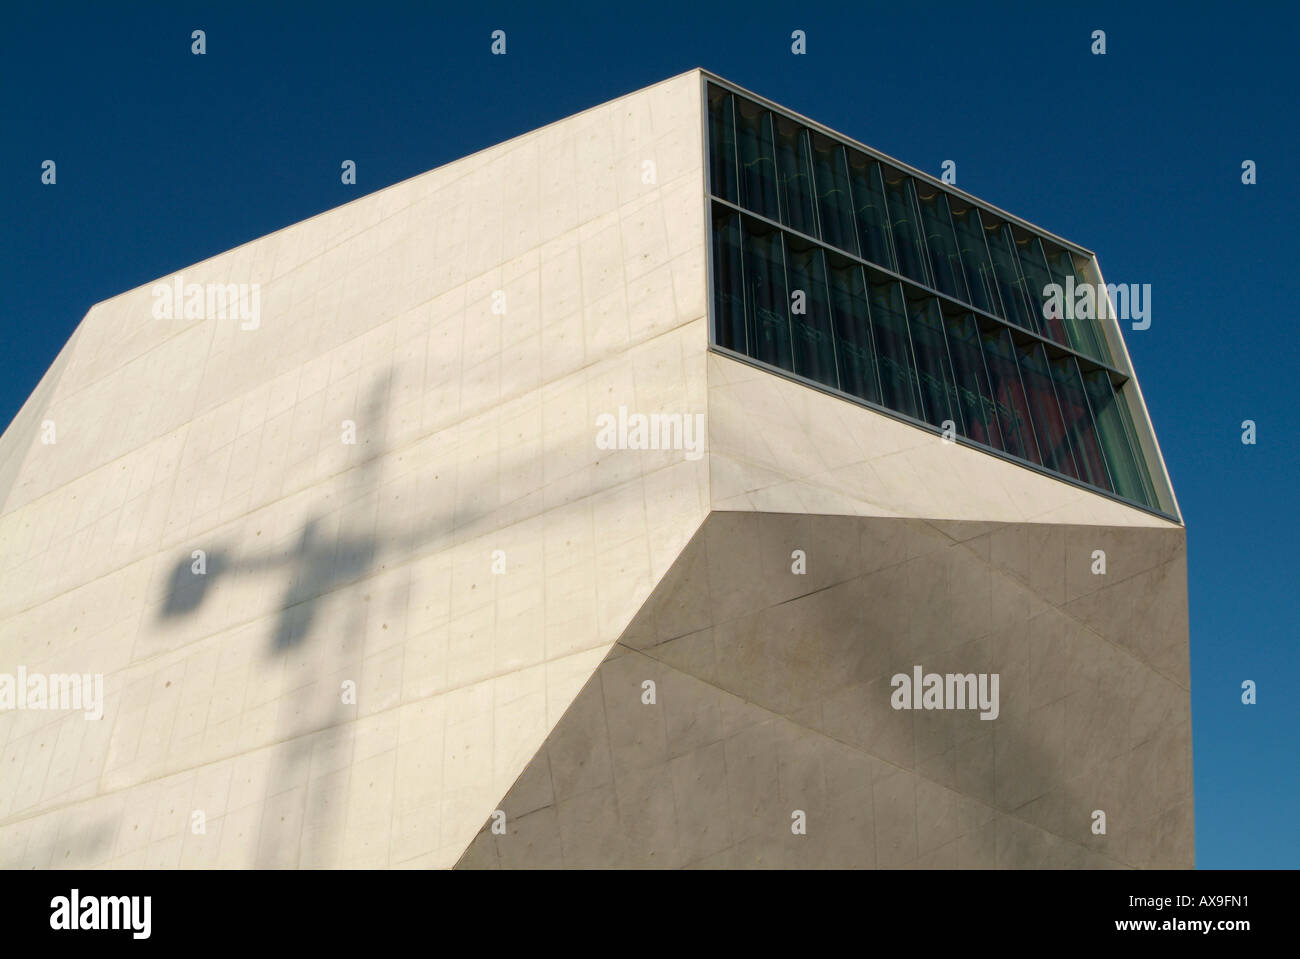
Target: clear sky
(165,158)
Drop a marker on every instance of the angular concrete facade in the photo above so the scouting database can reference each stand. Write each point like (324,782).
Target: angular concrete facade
(772,697)
(428,646)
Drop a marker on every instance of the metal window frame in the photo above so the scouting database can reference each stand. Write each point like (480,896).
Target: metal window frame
(990,283)
(988,377)
(1013,331)
(878,377)
(952,367)
(1092,362)
(1124,376)
(1006,328)
(763,101)
(1148,444)
(1092,418)
(960,271)
(1056,398)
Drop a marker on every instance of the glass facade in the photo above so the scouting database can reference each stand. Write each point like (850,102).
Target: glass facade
(837,267)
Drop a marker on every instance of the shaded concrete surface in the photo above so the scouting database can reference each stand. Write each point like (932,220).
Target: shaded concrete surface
(772,695)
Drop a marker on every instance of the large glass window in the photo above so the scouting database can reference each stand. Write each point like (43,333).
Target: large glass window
(1079,424)
(941,242)
(1006,272)
(934,369)
(810,312)
(766,302)
(868,188)
(855,343)
(1033,267)
(962,337)
(980,281)
(894,347)
(1148,490)
(1009,395)
(1049,427)
(757,152)
(1121,457)
(728,281)
(834,201)
(722,133)
(794,176)
(979,410)
(903,224)
(1083,333)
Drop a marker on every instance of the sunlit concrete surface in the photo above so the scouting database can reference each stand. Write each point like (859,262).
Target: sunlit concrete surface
(430,646)
(370,563)
(772,699)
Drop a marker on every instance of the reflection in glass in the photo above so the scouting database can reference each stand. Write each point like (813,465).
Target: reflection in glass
(766,303)
(894,348)
(869,210)
(1085,335)
(941,242)
(1078,422)
(722,153)
(855,345)
(800,299)
(728,287)
(834,202)
(1034,268)
(757,153)
(1149,494)
(1009,395)
(980,282)
(979,411)
(810,313)
(1121,457)
(794,176)
(903,225)
(1006,272)
(938,385)
(1049,426)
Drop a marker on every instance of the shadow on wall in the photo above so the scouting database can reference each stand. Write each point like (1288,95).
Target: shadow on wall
(83,847)
(315,566)
(303,805)
(305,800)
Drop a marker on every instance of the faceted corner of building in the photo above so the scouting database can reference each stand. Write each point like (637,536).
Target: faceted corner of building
(754,715)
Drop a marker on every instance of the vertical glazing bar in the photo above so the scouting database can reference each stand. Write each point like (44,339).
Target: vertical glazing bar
(722,144)
(1092,460)
(869,211)
(1131,434)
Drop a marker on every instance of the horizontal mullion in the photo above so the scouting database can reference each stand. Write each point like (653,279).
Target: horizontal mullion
(903,167)
(1117,375)
(960,438)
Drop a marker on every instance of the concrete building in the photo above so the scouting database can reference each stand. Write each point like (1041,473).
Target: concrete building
(680,484)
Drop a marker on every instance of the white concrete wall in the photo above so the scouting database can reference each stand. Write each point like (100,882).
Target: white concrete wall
(371,562)
(777,446)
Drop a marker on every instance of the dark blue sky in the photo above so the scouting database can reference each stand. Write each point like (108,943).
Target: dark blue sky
(165,158)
